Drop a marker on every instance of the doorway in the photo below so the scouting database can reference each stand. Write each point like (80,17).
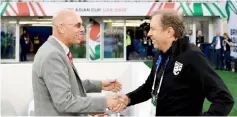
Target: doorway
(31,38)
(141,45)
(203,26)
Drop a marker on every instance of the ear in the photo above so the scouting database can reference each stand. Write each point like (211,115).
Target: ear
(170,32)
(61,28)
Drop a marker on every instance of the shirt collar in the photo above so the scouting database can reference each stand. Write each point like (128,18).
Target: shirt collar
(65,48)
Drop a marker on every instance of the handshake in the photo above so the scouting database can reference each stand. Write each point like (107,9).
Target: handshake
(117,103)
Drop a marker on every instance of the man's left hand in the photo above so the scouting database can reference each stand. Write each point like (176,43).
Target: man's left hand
(111,85)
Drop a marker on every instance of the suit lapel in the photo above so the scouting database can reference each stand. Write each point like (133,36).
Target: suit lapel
(78,78)
(74,69)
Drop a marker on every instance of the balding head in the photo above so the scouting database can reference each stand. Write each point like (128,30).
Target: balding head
(64,16)
(67,27)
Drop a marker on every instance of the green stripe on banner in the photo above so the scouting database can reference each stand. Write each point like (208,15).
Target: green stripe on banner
(232,9)
(97,51)
(222,14)
(189,8)
(185,12)
(95,55)
(231,5)
(197,9)
(234,6)
(92,54)
(4,9)
(209,9)
(227,11)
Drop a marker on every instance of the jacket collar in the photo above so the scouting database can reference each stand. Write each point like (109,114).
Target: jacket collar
(56,44)
(177,47)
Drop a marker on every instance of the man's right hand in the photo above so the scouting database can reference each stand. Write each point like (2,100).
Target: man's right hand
(122,103)
(124,98)
(111,101)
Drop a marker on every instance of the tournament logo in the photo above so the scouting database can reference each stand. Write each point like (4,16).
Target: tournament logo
(177,68)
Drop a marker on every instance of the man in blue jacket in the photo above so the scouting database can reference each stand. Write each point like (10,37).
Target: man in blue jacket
(218,48)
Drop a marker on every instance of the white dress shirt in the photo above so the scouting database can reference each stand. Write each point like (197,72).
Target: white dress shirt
(192,39)
(218,44)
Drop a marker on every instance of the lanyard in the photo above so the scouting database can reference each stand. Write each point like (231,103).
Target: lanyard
(158,64)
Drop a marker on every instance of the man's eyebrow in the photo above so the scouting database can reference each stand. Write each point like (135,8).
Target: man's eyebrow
(79,23)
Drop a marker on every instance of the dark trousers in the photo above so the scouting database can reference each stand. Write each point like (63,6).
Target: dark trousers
(145,51)
(219,59)
(128,50)
(227,60)
(23,55)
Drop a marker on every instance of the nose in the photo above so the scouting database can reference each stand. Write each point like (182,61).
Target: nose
(149,33)
(82,29)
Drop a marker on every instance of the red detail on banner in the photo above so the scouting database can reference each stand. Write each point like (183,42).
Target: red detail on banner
(160,6)
(95,30)
(152,7)
(7,13)
(178,7)
(169,5)
(23,9)
(33,9)
(42,10)
(13,9)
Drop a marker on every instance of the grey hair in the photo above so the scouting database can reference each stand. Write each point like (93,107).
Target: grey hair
(171,18)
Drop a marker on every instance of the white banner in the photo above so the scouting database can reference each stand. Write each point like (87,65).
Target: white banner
(83,8)
(108,8)
(233,33)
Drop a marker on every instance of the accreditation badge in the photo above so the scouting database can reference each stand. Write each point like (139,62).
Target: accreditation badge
(149,43)
(145,42)
(153,106)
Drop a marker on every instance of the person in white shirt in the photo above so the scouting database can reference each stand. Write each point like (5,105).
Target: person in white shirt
(191,37)
(218,48)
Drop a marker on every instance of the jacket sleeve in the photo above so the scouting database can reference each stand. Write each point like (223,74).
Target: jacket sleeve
(222,38)
(213,87)
(142,93)
(56,77)
(213,40)
(92,85)
(22,41)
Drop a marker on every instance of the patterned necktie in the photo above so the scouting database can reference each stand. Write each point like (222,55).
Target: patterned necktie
(70,58)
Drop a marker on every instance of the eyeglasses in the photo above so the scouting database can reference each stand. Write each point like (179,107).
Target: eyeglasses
(77,25)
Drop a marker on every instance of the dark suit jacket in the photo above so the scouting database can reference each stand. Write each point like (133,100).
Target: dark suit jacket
(23,44)
(214,42)
(200,40)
